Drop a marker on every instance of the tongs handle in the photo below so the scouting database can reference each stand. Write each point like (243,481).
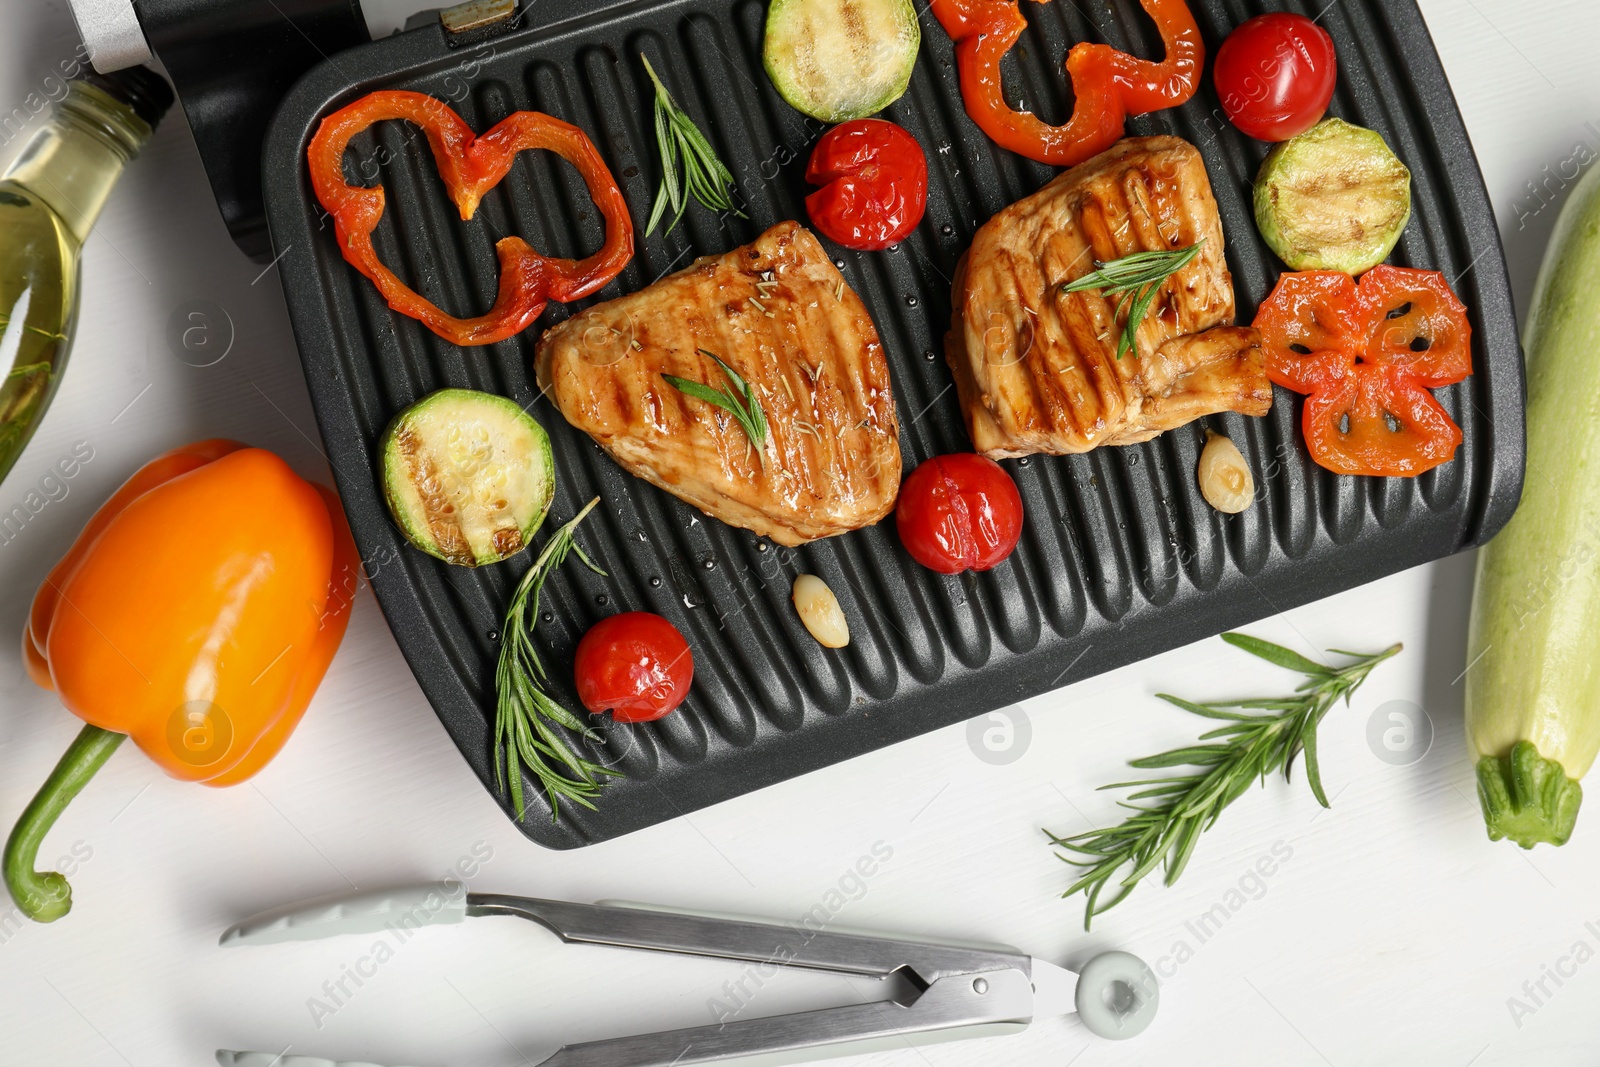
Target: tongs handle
(353,913)
(229,1058)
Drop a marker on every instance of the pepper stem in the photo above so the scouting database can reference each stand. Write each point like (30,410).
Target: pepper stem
(45,896)
(1527,798)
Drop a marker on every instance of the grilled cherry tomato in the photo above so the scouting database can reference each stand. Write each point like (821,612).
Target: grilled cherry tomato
(874,181)
(959,512)
(1365,356)
(1275,75)
(635,665)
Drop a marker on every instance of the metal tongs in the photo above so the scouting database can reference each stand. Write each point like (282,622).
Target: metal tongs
(954,991)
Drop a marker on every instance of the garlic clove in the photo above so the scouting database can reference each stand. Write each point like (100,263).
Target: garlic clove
(820,612)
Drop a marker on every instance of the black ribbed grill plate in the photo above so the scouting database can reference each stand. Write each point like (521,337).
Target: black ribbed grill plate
(1120,558)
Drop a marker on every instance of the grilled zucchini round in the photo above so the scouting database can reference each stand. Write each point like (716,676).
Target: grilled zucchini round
(837,60)
(468,476)
(1333,198)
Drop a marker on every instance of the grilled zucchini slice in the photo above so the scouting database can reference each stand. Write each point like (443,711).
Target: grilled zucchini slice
(468,476)
(837,60)
(1333,198)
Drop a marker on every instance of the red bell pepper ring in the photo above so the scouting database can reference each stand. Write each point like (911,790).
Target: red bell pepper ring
(1108,85)
(470,166)
(1365,356)
(874,179)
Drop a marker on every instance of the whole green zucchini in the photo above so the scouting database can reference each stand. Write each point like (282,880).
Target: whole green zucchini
(1533,651)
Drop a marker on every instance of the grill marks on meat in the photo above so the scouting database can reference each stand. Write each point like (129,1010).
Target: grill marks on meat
(778,312)
(1036,369)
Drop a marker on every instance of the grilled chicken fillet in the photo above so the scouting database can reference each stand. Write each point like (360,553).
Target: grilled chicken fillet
(1037,369)
(780,314)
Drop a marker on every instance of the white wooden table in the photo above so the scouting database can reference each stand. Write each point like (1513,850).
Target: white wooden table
(1389,931)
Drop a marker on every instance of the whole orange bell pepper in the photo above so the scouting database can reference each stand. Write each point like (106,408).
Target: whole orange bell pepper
(196,613)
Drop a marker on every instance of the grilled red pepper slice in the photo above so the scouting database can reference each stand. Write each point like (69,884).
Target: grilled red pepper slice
(874,179)
(470,166)
(1108,85)
(1366,355)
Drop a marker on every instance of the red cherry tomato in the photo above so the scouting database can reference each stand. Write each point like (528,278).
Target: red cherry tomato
(874,181)
(635,665)
(1275,75)
(959,512)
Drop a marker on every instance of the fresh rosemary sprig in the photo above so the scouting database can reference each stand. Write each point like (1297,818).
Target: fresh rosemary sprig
(1243,751)
(740,401)
(526,716)
(689,165)
(1134,280)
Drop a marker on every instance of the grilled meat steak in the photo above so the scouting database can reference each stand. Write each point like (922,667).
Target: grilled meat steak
(780,314)
(1037,369)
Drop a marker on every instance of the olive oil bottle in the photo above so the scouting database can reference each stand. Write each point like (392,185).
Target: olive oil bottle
(50,196)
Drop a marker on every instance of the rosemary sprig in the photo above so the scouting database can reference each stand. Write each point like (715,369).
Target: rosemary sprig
(1134,280)
(526,716)
(1247,748)
(740,401)
(689,165)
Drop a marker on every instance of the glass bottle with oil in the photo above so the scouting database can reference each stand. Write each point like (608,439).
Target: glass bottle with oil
(50,197)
